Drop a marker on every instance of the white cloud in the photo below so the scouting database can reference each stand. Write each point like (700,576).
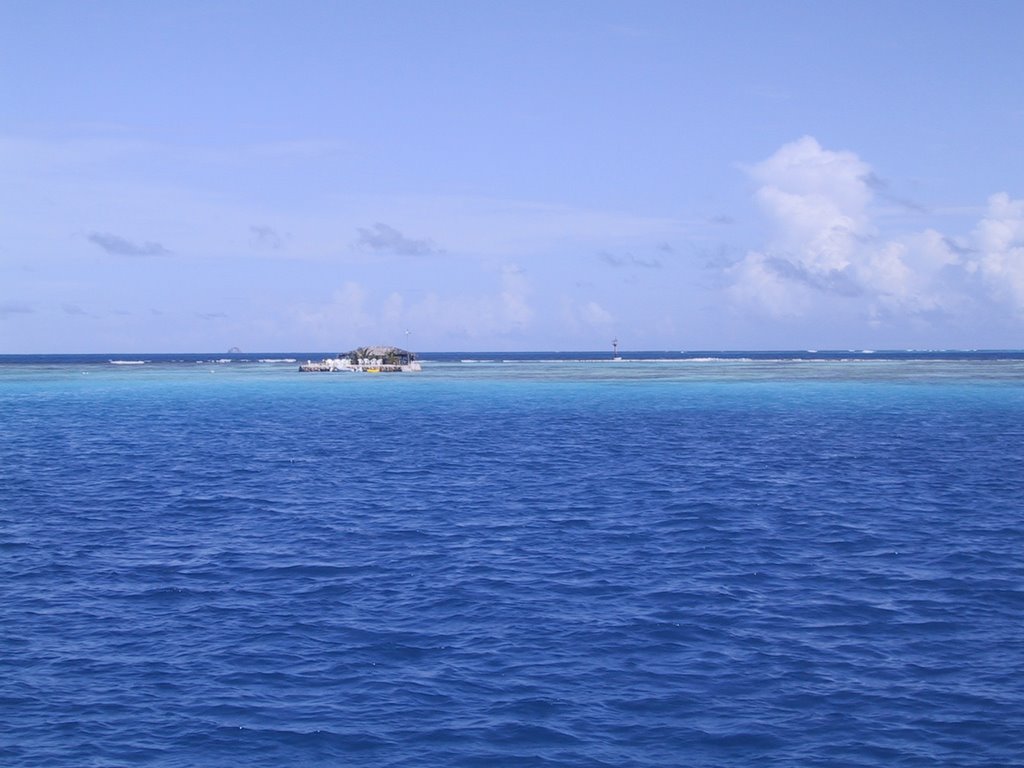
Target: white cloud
(595,314)
(470,317)
(757,284)
(515,310)
(584,317)
(354,311)
(838,180)
(342,317)
(999,242)
(817,202)
(825,248)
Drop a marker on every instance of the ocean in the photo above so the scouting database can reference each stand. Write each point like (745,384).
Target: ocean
(550,559)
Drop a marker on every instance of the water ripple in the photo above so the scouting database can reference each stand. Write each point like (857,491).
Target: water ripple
(638,569)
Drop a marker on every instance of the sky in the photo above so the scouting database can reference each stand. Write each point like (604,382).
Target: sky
(530,175)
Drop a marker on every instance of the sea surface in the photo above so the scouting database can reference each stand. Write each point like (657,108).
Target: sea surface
(551,559)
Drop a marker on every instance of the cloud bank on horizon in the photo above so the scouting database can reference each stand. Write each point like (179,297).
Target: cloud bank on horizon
(825,254)
(827,251)
(831,178)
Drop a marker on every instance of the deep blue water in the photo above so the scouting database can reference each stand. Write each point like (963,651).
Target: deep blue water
(699,560)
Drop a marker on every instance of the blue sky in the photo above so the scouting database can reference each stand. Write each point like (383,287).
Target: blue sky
(194,176)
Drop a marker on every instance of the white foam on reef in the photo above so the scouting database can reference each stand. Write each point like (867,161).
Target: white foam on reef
(276,360)
(127,362)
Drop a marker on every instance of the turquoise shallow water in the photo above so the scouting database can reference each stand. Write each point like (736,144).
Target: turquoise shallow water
(523,561)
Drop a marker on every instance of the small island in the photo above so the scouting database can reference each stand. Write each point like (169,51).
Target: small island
(366,360)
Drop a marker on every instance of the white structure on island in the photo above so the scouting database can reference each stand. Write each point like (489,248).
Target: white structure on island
(367,360)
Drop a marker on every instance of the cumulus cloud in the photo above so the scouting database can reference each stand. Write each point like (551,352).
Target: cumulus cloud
(506,312)
(343,316)
(514,309)
(119,246)
(825,250)
(585,317)
(355,309)
(756,284)
(817,200)
(382,238)
(825,245)
(999,248)
(594,314)
(837,281)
